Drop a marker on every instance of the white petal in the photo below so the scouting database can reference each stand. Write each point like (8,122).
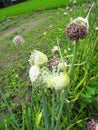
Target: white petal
(96,28)
(34,73)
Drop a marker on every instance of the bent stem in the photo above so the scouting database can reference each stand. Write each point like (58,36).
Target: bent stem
(90,10)
(46,120)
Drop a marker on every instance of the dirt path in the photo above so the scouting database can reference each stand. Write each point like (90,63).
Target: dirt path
(25,27)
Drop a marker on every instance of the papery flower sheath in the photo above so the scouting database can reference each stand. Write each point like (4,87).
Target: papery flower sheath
(37,58)
(34,73)
(58,82)
(61,65)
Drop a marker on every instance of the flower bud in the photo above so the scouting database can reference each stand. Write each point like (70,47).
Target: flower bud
(58,82)
(55,49)
(65,13)
(96,29)
(74,2)
(38,58)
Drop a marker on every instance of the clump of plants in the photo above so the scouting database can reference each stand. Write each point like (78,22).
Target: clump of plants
(59,86)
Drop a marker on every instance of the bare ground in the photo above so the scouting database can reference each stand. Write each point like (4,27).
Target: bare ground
(23,28)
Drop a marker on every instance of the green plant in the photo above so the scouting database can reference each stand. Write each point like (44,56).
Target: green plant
(15,82)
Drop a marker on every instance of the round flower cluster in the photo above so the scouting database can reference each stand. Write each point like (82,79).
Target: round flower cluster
(58,81)
(77,29)
(91,125)
(18,40)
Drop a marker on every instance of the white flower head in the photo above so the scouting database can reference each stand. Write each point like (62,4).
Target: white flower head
(44,33)
(18,40)
(34,73)
(67,8)
(55,49)
(69,49)
(38,58)
(50,26)
(96,126)
(65,13)
(74,2)
(70,10)
(96,29)
(58,82)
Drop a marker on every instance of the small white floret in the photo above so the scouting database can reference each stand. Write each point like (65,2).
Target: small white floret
(65,13)
(96,29)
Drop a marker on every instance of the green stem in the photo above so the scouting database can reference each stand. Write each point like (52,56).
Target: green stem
(53,109)
(68,108)
(73,61)
(31,109)
(60,110)
(45,110)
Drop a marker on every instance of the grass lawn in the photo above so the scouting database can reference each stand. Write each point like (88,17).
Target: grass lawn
(31,6)
(40,31)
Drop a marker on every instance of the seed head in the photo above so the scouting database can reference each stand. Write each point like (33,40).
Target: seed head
(77,29)
(53,62)
(91,125)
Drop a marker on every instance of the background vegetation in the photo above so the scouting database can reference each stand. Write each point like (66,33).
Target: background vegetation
(34,5)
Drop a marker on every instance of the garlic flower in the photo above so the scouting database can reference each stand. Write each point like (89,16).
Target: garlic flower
(58,82)
(18,40)
(38,58)
(77,29)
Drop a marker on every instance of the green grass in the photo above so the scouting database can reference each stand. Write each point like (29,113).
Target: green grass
(31,6)
(14,69)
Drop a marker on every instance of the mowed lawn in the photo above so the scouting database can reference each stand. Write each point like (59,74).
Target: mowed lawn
(33,5)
